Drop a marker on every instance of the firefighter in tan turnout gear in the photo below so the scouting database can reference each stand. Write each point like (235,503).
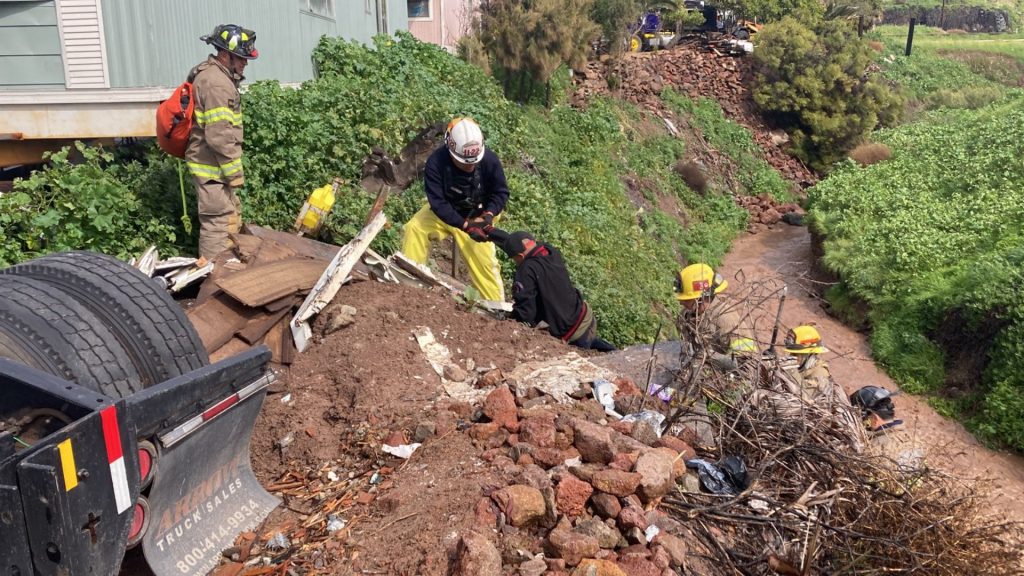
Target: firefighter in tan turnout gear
(214,153)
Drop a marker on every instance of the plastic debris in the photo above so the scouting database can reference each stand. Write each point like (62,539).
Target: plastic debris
(727,477)
(663,393)
(404,451)
(335,523)
(711,478)
(651,532)
(278,542)
(376,478)
(604,392)
(286,441)
(286,398)
(332,476)
(655,419)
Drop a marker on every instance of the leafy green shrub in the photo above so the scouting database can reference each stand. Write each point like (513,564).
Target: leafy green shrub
(814,81)
(81,205)
(937,229)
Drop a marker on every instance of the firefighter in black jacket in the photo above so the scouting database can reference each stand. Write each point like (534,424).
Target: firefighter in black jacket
(542,290)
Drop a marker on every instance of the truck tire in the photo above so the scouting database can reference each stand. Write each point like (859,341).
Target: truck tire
(146,321)
(59,336)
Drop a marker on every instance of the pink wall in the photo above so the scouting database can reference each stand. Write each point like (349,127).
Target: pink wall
(457,17)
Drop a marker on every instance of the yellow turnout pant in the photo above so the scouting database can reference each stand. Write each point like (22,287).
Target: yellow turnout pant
(484,272)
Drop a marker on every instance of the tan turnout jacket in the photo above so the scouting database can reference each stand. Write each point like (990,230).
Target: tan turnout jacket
(215,144)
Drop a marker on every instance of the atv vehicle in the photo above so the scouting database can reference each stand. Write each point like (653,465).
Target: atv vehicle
(646,34)
(114,430)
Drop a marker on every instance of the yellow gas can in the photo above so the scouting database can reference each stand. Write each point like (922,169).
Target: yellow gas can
(316,209)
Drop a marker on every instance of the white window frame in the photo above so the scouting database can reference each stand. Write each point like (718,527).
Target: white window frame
(306,7)
(430,13)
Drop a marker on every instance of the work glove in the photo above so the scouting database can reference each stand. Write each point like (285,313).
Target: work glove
(488,218)
(475,230)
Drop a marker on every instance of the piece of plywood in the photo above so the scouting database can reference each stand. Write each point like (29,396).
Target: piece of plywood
(218,318)
(233,346)
(286,302)
(271,251)
(256,328)
(262,284)
(298,244)
(247,247)
(274,340)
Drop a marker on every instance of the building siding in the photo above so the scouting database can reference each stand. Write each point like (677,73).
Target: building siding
(30,55)
(457,17)
(156,42)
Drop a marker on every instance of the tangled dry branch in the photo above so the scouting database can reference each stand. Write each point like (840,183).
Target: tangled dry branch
(821,499)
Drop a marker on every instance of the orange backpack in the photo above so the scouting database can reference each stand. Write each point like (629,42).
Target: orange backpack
(174,121)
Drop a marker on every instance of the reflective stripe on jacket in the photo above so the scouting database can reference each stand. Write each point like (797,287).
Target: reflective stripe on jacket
(215,144)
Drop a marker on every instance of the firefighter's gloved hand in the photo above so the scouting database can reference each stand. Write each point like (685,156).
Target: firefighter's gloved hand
(488,219)
(475,231)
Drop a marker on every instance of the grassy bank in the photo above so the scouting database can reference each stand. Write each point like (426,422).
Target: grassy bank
(932,240)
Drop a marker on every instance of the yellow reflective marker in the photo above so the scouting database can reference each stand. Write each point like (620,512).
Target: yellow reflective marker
(67,464)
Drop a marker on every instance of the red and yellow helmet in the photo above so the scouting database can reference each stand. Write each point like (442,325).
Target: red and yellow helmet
(697,280)
(804,340)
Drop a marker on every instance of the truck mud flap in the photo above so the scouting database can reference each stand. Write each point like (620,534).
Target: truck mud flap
(205,494)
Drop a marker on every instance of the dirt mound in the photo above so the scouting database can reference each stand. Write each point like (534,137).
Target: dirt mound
(318,443)
(691,70)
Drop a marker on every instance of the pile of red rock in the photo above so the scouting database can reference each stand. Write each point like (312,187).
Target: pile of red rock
(580,494)
(697,72)
(765,212)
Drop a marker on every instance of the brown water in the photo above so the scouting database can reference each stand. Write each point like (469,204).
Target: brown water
(785,254)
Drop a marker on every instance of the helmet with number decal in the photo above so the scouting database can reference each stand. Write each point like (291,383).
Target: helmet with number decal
(698,281)
(465,140)
(234,39)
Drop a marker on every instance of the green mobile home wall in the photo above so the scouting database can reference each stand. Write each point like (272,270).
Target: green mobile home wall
(156,42)
(30,45)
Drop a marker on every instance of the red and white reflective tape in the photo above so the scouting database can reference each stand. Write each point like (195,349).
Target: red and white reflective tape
(115,457)
(192,424)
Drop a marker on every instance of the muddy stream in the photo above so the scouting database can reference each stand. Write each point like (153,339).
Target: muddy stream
(785,254)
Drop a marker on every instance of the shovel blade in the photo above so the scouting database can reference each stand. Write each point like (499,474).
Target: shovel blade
(205,494)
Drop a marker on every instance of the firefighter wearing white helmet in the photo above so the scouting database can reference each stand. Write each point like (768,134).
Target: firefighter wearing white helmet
(466,192)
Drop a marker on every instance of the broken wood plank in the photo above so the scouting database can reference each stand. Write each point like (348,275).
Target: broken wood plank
(331,280)
(218,318)
(262,284)
(378,204)
(301,246)
(259,326)
(423,273)
(275,338)
(282,303)
(271,251)
(247,247)
(222,266)
(287,343)
(233,346)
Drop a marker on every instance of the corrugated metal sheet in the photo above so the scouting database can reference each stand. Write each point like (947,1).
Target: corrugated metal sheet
(30,46)
(156,42)
(81,30)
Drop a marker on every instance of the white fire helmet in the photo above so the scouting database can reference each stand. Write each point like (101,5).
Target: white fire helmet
(465,140)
